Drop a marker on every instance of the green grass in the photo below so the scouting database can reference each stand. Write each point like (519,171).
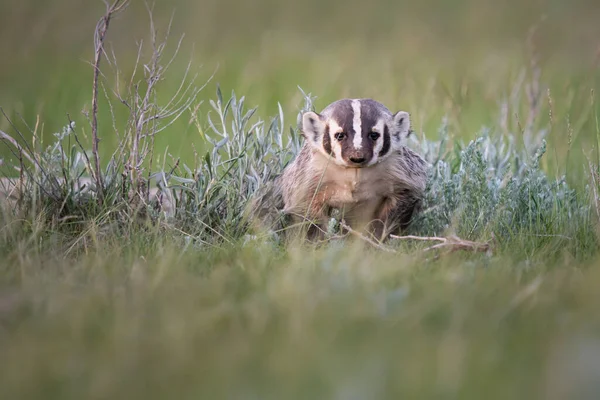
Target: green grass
(103,302)
(139,318)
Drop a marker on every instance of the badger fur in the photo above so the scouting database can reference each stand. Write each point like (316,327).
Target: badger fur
(353,159)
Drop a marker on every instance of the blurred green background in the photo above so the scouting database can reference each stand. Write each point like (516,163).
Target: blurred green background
(461,59)
(122,319)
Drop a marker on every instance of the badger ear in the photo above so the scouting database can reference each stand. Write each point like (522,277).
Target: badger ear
(313,126)
(401,121)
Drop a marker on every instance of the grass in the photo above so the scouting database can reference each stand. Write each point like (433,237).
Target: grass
(249,322)
(114,298)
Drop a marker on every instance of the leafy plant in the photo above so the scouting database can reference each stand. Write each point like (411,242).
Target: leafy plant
(490,187)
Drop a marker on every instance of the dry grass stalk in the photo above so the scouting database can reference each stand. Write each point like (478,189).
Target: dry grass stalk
(365,238)
(11,140)
(147,117)
(595,183)
(99,36)
(452,243)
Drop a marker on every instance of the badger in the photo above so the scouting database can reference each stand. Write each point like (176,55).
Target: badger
(354,159)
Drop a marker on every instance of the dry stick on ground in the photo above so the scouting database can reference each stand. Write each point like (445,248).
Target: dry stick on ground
(99,36)
(366,239)
(454,243)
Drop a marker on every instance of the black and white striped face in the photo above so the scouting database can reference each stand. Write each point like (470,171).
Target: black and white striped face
(356,132)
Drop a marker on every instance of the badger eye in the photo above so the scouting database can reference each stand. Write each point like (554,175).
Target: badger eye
(374,135)
(340,136)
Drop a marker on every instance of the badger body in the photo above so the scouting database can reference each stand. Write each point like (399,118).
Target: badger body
(353,159)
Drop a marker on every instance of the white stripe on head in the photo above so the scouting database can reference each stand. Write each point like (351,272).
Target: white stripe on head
(379,128)
(356,124)
(336,147)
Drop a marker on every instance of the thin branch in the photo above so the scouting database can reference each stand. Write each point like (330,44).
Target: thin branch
(366,239)
(85,156)
(29,154)
(422,238)
(99,37)
(595,184)
(11,140)
(29,149)
(453,243)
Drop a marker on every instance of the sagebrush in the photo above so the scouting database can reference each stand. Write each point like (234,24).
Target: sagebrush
(491,187)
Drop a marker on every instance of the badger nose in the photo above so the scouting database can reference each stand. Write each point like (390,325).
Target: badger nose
(357,160)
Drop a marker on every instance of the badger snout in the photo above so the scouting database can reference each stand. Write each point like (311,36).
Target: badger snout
(358,160)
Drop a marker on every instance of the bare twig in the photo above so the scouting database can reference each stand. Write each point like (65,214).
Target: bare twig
(11,140)
(453,243)
(146,117)
(595,184)
(99,36)
(85,156)
(422,238)
(366,239)
(29,153)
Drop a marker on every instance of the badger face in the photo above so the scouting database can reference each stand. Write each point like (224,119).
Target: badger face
(355,133)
